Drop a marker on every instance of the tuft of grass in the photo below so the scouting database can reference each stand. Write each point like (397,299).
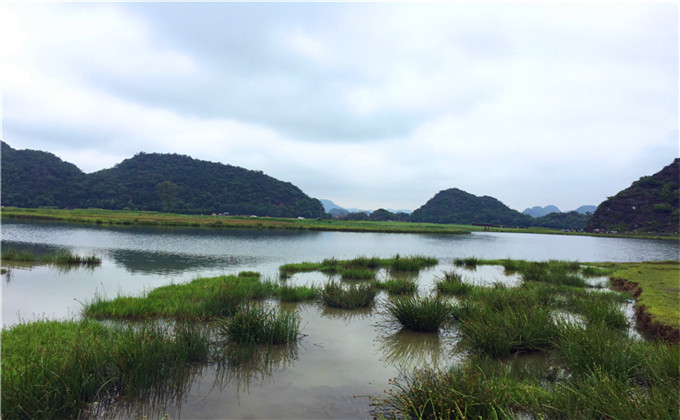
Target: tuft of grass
(353,296)
(411,264)
(296,293)
(451,284)
(470,262)
(63,257)
(426,314)
(399,286)
(357,273)
(257,325)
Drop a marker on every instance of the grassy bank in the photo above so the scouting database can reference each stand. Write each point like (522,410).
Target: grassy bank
(144,218)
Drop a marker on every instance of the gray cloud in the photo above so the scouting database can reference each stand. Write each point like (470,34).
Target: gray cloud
(369,104)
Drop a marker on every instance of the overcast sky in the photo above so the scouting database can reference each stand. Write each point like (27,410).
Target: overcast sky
(367,104)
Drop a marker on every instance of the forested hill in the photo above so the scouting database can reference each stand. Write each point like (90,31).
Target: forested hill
(150,181)
(459,207)
(650,204)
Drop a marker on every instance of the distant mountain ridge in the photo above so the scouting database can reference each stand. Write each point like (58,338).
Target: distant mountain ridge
(651,204)
(150,181)
(538,211)
(459,207)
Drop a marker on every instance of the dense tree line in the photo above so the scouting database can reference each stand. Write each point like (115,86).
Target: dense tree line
(150,181)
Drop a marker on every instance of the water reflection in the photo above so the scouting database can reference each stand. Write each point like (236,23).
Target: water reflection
(346,315)
(411,348)
(170,263)
(242,364)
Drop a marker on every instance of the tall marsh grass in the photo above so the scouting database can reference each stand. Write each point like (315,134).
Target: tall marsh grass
(257,325)
(353,296)
(417,313)
(52,369)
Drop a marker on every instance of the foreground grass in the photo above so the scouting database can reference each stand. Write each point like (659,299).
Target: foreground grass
(51,369)
(588,366)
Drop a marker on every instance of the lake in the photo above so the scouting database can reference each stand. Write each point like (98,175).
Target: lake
(342,354)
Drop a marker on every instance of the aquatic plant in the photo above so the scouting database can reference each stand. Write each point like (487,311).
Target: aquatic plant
(451,284)
(254,324)
(202,298)
(470,262)
(295,293)
(399,286)
(337,295)
(419,313)
(52,369)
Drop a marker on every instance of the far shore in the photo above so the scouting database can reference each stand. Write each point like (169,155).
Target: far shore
(103,217)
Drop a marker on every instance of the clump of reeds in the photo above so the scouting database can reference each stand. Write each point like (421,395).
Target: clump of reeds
(412,263)
(295,293)
(351,296)
(254,324)
(469,262)
(63,257)
(17,255)
(451,284)
(52,369)
(458,393)
(357,273)
(417,313)
(399,286)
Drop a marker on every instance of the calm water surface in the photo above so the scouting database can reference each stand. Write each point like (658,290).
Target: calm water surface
(342,353)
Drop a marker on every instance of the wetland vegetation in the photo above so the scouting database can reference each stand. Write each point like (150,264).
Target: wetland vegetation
(556,346)
(63,257)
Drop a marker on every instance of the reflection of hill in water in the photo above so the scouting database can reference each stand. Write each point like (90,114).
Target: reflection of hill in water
(174,263)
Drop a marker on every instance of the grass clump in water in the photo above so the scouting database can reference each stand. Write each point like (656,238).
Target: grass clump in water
(295,293)
(399,286)
(470,262)
(451,284)
(417,313)
(63,257)
(357,273)
(353,296)
(52,369)
(257,325)
(202,298)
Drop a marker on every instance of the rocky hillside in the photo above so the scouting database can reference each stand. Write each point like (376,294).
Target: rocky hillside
(651,205)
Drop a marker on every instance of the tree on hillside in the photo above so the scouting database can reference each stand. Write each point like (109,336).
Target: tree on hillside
(167,192)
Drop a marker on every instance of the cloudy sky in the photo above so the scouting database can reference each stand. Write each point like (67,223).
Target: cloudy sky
(367,104)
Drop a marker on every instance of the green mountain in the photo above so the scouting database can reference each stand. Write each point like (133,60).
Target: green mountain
(31,178)
(150,181)
(650,204)
(459,207)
